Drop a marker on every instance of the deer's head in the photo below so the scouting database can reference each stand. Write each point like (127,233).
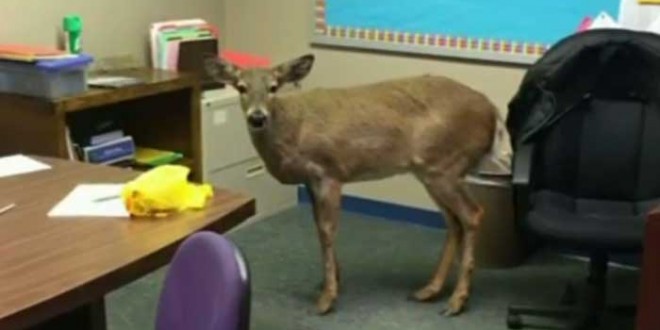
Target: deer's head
(258,86)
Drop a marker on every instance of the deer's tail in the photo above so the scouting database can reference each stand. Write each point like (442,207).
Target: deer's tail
(498,159)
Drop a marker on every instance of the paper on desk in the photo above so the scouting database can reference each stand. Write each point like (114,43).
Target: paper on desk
(82,201)
(19,164)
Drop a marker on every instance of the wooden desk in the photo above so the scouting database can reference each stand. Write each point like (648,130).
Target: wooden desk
(58,270)
(163,113)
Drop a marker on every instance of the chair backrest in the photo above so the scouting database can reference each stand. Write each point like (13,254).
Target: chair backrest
(207,287)
(606,149)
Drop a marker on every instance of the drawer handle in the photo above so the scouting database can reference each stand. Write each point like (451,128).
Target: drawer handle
(255,170)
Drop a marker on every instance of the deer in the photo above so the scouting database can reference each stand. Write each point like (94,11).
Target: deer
(430,126)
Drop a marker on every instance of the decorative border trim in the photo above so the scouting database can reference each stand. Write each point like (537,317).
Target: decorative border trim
(504,50)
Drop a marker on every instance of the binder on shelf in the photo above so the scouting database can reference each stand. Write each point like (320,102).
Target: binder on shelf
(110,152)
(155,157)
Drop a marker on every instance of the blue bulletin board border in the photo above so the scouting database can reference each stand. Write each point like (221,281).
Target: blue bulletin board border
(447,45)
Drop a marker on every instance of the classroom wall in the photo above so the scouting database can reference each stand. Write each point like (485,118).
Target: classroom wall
(281,30)
(111,28)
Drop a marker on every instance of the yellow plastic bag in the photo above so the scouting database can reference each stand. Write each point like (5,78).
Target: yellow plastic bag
(164,190)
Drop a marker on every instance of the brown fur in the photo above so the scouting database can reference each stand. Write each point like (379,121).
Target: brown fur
(431,126)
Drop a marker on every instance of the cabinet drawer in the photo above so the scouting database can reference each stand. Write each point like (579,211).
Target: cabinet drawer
(251,178)
(225,136)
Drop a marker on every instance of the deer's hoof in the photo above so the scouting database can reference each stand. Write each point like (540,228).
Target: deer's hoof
(325,303)
(454,307)
(451,311)
(425,294)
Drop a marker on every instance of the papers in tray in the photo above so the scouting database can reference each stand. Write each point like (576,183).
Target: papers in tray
(166,38)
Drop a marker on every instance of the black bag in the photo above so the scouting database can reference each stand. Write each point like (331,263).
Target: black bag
(603,64)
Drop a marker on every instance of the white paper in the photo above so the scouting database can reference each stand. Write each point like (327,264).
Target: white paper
(636,16)
(83,201)
(604,21)
(655,26)
(19,164)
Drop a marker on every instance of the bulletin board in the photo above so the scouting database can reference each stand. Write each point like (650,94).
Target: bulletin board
(514,31)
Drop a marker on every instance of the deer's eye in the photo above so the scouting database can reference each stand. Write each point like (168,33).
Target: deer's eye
(273,89)
(242,88)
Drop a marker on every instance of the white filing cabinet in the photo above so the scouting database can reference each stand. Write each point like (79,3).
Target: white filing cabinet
(229,158)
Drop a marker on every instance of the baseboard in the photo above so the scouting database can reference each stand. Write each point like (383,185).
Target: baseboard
(385,210)
(413,215)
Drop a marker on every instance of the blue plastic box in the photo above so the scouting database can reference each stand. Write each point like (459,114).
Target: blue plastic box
(51,79)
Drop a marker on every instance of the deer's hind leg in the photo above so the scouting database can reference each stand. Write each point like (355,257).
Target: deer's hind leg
(470,215)
(449,190)
(450,247)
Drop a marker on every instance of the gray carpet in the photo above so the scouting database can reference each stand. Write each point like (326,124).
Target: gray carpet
(382,262)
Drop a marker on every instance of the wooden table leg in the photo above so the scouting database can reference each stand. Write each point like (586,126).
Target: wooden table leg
(86,317)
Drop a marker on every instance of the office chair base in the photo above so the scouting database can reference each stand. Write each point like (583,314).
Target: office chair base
(582,315)
(570,296)
(514,321)
(579,321)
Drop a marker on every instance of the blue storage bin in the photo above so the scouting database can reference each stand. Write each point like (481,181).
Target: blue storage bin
(51,79)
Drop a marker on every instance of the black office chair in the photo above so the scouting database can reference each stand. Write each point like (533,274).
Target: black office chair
(585,126)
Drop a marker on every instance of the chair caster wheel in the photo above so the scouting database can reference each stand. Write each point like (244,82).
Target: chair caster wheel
(514,321)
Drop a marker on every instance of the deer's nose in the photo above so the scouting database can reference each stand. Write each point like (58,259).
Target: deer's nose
(257,119)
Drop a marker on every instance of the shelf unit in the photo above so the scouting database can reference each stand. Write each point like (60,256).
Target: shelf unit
(162,112)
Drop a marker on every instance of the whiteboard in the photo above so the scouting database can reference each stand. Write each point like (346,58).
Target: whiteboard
(513,31)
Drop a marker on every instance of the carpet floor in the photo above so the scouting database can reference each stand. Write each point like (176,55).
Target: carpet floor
(381,262)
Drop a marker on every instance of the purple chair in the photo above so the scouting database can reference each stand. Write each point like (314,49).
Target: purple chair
(206,288)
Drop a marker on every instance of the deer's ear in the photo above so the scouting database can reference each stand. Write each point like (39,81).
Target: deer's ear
(295,70)
(222,71)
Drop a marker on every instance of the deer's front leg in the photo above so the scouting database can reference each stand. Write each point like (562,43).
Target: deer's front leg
(326,197)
